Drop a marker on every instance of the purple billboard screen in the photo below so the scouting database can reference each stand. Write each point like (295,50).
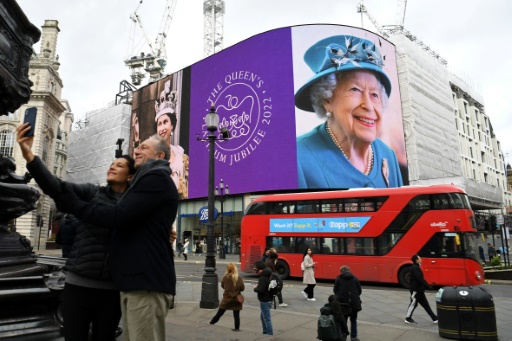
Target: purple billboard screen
(262,90)
(251,86)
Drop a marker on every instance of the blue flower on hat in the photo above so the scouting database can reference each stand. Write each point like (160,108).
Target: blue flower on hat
(337,54)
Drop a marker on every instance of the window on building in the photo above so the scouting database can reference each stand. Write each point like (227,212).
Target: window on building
(6,142)
(466,108)
(471,152)
(485,177)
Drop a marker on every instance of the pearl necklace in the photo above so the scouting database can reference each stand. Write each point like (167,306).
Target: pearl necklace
(370,152)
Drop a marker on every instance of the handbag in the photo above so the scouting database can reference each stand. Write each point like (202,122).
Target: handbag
(239,298)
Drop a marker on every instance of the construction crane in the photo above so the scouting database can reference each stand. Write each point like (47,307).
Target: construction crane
(361,8)
(213,11)
(155,61)
(388,30)
(400,12)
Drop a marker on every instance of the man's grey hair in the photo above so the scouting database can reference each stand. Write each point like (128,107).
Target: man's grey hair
(162,146)
(344,268)
(323,89)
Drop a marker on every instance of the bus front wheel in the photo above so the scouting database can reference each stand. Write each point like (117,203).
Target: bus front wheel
(404,277)
(283,269)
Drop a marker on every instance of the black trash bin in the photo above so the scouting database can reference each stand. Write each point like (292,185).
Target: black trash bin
(466,313)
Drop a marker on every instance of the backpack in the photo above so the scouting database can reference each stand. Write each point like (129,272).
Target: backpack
(327,330)
(275,288)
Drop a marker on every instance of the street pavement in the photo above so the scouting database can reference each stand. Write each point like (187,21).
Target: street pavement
(382,317)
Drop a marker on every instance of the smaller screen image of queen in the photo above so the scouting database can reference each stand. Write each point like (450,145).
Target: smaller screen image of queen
(349,91)
(166,122)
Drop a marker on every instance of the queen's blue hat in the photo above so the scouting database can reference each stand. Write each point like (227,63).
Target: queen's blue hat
(337,54)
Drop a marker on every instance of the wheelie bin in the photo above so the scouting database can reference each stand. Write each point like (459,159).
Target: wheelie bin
(466,313)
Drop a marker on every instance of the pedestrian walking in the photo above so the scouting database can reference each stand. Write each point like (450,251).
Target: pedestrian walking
(198,248)
(417,286)
(348,293)
(265,297)
(185,249)
(308,276)
(482,254)
(179,246)
(233,285)
(90,297)
(333,308)
(491,252)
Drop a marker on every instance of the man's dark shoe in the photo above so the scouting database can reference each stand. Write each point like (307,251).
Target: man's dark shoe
(409,320)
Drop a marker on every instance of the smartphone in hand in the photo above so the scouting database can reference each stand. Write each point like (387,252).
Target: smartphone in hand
(30,118)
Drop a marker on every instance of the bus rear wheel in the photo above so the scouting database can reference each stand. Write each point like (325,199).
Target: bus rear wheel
(404,277)
(282,269)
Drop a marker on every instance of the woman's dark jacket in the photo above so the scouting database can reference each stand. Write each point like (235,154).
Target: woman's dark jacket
(262,289)
(417,282)
(348,290)
(89,255)
(338,318)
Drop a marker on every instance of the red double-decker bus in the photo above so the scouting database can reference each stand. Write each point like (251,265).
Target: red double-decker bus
(374,231)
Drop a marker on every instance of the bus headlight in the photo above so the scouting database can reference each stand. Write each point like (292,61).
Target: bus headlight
(478,275)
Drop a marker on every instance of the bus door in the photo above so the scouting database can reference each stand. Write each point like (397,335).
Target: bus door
(442,259)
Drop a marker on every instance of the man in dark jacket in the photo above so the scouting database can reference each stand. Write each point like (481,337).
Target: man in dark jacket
(141,255)
(417,287)
(348,292)
(265,297)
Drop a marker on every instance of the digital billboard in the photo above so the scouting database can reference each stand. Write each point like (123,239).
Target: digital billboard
(314,106)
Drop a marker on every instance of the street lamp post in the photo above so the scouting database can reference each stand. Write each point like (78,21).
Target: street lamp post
(221,192)
(209,290)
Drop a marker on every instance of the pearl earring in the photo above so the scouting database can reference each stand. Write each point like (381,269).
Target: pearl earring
(328,114)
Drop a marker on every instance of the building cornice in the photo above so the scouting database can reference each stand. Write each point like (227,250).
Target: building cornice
(50,99)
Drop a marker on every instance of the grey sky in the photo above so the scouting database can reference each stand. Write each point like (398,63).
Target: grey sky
(94,39)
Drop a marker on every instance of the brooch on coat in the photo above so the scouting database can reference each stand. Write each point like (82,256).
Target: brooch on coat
(385,171)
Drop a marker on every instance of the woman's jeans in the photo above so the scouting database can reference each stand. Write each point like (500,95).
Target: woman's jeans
(266,321)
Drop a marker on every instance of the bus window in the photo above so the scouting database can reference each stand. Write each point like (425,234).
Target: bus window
(332,246)
(360,246)
(303,243)
(330,206)
(257,208)
(386,241)
(420,202)
(278,208)
(367,206)
(458,201)
(307,207)
(351,205)
(366,246)
(441,201)
(470,244)
(442,245)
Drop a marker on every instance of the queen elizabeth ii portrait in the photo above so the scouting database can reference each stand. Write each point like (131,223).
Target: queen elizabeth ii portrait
(349,91)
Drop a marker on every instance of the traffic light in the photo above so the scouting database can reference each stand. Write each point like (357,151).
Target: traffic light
(493,223)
